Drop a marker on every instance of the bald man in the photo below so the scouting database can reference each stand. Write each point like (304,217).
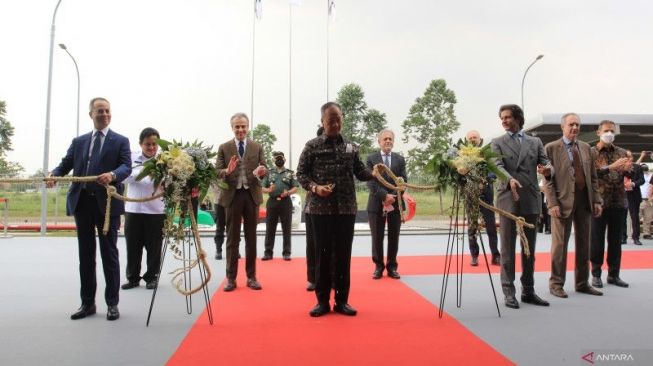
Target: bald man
(487,195)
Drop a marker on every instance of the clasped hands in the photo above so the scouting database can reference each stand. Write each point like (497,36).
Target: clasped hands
(259,172)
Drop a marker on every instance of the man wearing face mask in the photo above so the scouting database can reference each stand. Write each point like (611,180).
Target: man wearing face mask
(280,183)
(612,164)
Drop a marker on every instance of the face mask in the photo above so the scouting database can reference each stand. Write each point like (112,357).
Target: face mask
(279,162)
(607,137)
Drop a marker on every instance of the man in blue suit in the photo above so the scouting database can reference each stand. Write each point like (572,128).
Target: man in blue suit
(105,154)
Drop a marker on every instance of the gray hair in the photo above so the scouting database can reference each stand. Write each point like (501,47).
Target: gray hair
(563,119)
(239,115)
(378,136)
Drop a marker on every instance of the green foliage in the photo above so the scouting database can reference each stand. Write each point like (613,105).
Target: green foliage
(7,168)
(262,134)
(430,122)
(361,125)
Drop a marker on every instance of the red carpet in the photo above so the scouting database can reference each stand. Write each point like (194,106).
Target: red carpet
(394,324)
(272,327)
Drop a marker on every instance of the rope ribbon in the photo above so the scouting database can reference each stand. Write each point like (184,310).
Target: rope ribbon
(401,186)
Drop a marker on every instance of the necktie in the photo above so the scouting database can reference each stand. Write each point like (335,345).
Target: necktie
(241,148)
(386,161)
(94,159)
(515,136)
(579,176)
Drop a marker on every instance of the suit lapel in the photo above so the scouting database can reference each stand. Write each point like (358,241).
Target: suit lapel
(510,143)
(525,145)
(86,147)
(108,141)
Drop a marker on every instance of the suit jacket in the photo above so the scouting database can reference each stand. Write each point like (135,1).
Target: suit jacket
(637,177)
(520,164)
(559,190)
(253,158)
(115,157)
(377,190)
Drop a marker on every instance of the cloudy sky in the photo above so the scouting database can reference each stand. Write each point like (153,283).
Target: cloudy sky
(184,67)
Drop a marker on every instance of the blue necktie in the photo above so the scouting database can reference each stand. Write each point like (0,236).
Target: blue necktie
(385,161)
(94,159)
(241,148)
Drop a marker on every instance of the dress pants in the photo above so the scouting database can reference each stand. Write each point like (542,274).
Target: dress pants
(310,248)
(89,218)
(490,228)
(242,208)
(220,224)
(581,217)
(633,210)
(333,234)
(278,211)
(143,231)
(611,220)
(508,242)
(377,223)
(646,208)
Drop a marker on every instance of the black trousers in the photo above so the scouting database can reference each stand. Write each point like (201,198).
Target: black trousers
(611,220)
(89,218)
(242,208)
(143,231)
(220,225)
(333,234)
(377,223)
(310,248)
(490,228)
(278,211)
(633,209)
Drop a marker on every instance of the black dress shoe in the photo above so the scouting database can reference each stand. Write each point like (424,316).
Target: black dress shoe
(310,286)
(151,285)
(393,274)
(617,282)
(129,285)
(265,257)
(474,262)
(377,274)
(230,286)
(589,290)
(637,242)
(319,310)
(218,255)
(547,232)
(253,284)
(496,260)
(647,236)
(596,282)
(511,302)
(83,312)
(344,309)
(534,300)
(286,257)
(113,313)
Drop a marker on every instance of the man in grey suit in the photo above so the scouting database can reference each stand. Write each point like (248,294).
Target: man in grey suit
(572,197)
(522,157)
(241,164)
(380,199)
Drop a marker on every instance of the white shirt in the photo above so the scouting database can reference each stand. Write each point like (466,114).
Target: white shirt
(141,189)
(644,187)
(389,157)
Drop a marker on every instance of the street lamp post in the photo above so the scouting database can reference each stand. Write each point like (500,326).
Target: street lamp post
(539,57)
(46,144)
(63,47)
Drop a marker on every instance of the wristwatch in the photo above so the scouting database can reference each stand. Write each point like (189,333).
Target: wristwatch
(113,175)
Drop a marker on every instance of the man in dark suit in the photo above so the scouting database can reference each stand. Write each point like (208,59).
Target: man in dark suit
(106,154)
(383,205)
(522,157)
(572,198)
(487,196)
(634,198)
(241,163)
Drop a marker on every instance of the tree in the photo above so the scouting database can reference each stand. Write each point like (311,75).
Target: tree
(361,125)
(7,168)
(430,123)
(264,136)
